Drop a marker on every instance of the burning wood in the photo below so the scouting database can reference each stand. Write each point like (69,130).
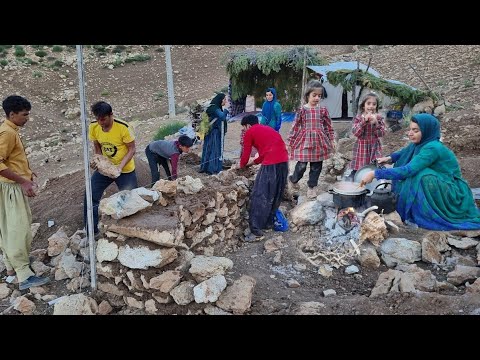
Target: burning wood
(347,218)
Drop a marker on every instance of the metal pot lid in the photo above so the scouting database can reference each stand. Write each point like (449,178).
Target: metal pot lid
(349,188)
(363,171)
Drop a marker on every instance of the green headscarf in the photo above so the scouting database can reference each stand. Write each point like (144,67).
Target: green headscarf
(430,128)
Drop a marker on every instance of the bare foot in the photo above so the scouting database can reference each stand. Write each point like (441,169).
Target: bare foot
(11,273)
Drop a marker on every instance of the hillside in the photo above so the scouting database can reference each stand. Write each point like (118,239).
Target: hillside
(133,79)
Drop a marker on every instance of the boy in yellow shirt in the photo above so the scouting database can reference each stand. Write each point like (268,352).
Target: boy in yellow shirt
(115,140)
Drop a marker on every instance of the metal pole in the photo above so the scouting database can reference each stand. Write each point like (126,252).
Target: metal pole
(171,94)
(86,160)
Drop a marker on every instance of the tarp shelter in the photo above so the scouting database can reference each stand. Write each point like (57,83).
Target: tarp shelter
(338,101)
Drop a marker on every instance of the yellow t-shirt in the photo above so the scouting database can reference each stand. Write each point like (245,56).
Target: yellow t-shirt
(12,153)
(113,142)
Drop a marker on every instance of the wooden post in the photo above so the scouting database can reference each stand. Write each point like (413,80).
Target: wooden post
(361,88)
(304,76)
(416,73)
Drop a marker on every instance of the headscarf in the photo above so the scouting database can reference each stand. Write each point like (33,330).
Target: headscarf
(267,108)
(214,104)
(430,128)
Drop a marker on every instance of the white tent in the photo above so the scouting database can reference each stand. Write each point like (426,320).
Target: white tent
(335,101)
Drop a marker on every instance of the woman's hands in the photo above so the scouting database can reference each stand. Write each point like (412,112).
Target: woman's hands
(384,160)
(368,178)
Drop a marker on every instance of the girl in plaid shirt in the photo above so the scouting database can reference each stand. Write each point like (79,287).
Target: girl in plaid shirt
(312,138)
(368,128)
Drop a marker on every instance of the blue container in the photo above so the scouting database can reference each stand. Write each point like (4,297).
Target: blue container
(394,114)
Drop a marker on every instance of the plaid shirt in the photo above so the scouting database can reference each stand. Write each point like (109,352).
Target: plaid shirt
(312,135)
(368,146)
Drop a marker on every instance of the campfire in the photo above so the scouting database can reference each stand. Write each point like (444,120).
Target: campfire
(347,219)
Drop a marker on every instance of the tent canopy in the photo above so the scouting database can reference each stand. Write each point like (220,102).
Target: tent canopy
(338,103)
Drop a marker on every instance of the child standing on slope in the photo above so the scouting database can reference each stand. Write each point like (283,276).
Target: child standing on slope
(368,128)
(312,138)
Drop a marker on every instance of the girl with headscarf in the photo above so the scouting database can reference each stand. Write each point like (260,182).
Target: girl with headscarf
(212,146)
(271,110)
(427,178)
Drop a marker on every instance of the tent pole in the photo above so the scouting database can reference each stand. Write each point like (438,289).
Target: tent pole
(361,88)
(171,94)
(304,76)
(86,162)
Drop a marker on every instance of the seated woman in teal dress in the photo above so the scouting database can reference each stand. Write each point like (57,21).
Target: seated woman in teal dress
(427,178)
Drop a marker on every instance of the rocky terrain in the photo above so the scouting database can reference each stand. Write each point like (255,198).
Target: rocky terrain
(285,282)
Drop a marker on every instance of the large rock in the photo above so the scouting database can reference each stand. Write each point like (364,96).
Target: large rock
(166,281)
(156,224)
(308,213)
(189,185)
(183,293)
(461,274)
(57,243)
(368,257)
(106,250)
(464,243)
(122,204)
(77,304)
(400,251)
(165,187)
(4,291)
(238,297)
(209,290)
(430,251)
(105,166)
(146,194)
(141,257)
(204,267)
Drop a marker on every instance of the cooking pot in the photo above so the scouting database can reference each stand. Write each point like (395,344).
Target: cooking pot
(348,194)
(384,198)
(364,170)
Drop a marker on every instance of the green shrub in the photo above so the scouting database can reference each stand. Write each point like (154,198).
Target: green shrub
(41,53)
(168,129)
(468,83)
(4,62)
(159,95)
(37,74)
(19,51)
(28,61)
(57,48)
(138,57)
(105,92)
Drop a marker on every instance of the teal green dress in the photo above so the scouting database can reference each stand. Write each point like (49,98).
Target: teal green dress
(428,181)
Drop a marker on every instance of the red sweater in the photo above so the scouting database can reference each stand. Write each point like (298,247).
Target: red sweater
(269,143)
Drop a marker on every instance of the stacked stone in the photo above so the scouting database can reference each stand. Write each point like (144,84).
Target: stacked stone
(144,258)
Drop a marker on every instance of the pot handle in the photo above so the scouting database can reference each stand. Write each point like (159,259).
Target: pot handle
(330,191)
(385,185)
